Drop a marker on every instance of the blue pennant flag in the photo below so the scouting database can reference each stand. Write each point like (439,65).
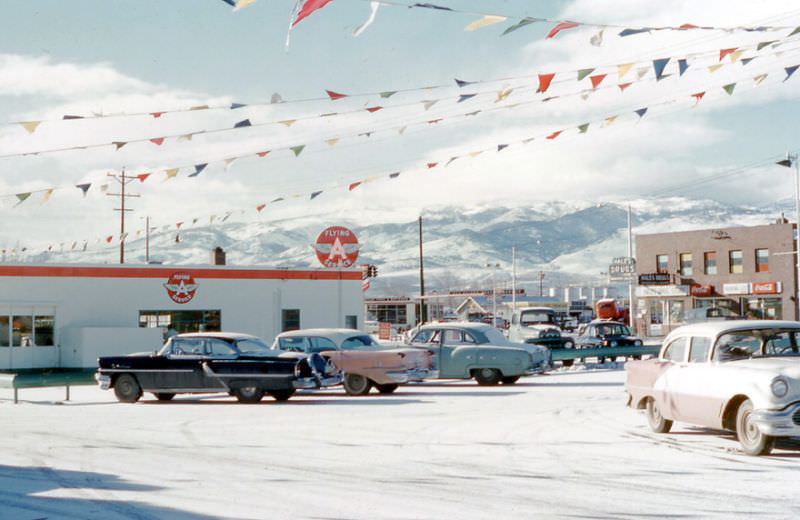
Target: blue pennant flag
(197,169)
(659,65)
(789,71)
(682,66)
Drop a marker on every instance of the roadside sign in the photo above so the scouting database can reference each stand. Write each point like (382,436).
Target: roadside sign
(384,330)
(622,268)
(337,246)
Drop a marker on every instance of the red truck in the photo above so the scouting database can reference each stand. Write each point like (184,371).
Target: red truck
(609,309)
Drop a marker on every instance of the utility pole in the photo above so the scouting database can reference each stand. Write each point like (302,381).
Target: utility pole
(794,160)
(631,309)
(513,278)
(541,284)
(123,181)
(422,313)
(147,241)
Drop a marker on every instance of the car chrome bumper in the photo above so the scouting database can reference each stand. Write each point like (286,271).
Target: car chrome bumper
(413,375)
(103,380)
(313,382)
(779,423)
(538,368)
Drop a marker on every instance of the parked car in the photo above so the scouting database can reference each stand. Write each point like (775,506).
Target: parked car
(537,326)
(741,375)
(601,333)
(702,314)
(464,350)
(365,362)
(195,363)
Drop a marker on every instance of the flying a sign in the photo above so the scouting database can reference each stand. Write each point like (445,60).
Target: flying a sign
(337,246)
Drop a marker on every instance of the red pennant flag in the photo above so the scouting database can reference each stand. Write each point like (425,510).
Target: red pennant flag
(554,134)
(698,97)
(178,224)
(157,140)
(354,186)
(262,154)
(260,207)
(373,109)
(544,82)
(309,7)
(623,86)
(688,26)
(432,165)
(335,95)
(596,80)
(143,176)
(156,114)
(560,27)
(109,238)
(725,52)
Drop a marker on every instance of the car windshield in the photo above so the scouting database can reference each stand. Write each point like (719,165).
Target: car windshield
(253,347)
(743,344)
(359,342)
(613,329)
(530,318)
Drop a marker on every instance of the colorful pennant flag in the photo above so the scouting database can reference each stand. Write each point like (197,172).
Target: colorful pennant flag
(501,147)
(583,73)
(623,86)
(394,175)
(698,96)
(315,194)
(464,97)
(335,95)
(432,165)
(562,26)
(758,79)
(234,106)
(725,52)
(309,6)
(243,123)
(658,66)
(297,149)
(761,45)
(641,112)
(30,126)
(262,154)
(198,168)
(729,88)
(682,66)
(596,80)
(157,141)
(461,83)
(519,25)
(353,185)
(429,104)
(544,82)
(484,22)
(789,71)
(260,207)
(171,172)
(623,69)
(84,187)
(582,129)
(388,94)
(143,176)
(22,197)
(554,135)
(503,94)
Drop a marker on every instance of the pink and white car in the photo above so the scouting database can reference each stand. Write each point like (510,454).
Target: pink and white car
(741,375)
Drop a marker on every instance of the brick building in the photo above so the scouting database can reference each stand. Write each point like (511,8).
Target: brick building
(745,271)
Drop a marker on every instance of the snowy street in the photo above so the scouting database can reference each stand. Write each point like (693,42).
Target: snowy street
(561,445)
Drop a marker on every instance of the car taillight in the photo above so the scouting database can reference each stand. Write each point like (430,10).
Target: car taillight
(401,354)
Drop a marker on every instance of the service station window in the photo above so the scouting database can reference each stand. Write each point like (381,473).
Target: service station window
(29,330)
(290,319)
(351,322)
(176,322)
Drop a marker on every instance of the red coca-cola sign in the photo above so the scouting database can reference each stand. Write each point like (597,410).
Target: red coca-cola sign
(337,246)
(181,287)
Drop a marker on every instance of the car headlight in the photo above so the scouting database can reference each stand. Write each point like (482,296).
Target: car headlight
(637,343)
(779,387)
(613,343)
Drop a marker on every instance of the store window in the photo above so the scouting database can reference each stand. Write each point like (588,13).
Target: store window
(290,319)
(22,331)
(391,313)
(351,322)
(686,264)
(27,328)
(43,330)
(735,261)
(5,331)
(662,263)
(763,308)
(762,260)
(710,262)
(177,322)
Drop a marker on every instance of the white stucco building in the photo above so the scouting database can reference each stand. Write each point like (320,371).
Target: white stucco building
(67,315)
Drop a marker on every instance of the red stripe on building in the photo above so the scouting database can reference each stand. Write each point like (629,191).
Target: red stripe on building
(166,272)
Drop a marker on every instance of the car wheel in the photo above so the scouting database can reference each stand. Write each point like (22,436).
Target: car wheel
(127,389)
(387,389)
(356,384)
(281,395)
(567,362)
(753,442)
(163,396)
(569,344)
(249,394)
(657,422)
(488,376)
(509,380)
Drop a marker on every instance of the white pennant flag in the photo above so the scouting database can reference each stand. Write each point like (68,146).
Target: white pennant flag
(360,29)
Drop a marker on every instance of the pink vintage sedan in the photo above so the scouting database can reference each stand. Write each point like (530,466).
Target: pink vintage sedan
(365,362)
(741,375)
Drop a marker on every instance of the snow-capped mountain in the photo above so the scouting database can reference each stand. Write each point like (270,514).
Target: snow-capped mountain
(569,242)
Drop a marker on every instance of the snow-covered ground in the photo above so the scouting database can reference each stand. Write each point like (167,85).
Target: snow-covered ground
(562,445)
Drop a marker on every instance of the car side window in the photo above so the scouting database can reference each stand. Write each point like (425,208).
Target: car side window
(219,348)
(735,345)
(458,337)
(321,345)
(188,347)
(698,352)
(356,342)
(422,337)
(294,343)
(676,350)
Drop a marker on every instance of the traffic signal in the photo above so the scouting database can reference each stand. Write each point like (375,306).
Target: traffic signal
(373,271)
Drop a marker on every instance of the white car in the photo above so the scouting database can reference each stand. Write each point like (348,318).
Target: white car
(741,375)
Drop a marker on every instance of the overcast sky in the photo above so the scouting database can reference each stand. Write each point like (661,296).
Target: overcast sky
(96,57)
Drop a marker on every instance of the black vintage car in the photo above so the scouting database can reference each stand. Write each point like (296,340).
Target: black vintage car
(602,333)
(239,364)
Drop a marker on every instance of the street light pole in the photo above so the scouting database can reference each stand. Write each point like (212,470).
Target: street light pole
(494,267)
(792,160)
(630,280)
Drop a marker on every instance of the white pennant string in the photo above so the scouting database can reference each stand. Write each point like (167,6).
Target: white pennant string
(360,29)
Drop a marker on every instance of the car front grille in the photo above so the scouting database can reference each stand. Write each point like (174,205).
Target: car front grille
(796,417)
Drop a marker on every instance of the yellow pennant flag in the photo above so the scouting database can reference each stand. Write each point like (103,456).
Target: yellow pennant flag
(199,107)
(171,172)
(241,4)
(332,142)
(370,179)
(715,67)
(623,69)
(47,195)
(30,126)
(758,79)
(288,122)
(475,154)
(485,21)
(610,120)
(735,55)
(503,94)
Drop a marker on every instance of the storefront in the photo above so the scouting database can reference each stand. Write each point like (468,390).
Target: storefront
(67,315)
